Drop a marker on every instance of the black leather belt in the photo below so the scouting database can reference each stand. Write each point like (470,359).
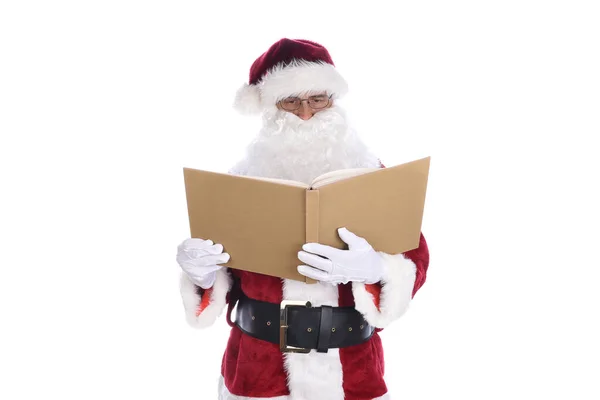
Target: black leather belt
(298,327)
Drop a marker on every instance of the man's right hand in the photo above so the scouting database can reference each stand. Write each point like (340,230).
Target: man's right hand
(200,260)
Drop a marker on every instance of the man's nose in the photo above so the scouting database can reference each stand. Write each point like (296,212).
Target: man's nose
(305,112)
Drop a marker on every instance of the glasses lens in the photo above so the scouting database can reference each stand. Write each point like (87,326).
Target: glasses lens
(317,102)
(290,104)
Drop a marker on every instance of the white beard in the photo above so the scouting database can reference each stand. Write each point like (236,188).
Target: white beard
(289,148)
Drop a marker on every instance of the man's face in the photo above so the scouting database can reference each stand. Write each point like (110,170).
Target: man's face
(305,106)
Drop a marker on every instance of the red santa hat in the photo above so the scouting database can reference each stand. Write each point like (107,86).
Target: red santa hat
(290,67)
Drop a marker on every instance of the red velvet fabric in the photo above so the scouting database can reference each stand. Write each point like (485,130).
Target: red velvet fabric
(363,364)
(252,367)
(205,299)
(420,256)
(375,291)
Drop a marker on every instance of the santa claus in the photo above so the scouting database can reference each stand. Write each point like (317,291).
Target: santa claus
(328,346)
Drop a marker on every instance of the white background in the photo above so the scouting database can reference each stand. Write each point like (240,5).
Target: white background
(103,102)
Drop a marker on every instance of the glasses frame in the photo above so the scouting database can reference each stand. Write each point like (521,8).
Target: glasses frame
(280,102)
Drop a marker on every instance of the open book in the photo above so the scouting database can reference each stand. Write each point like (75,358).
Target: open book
(263,223)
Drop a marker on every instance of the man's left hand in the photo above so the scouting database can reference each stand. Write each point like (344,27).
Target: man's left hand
(360,263)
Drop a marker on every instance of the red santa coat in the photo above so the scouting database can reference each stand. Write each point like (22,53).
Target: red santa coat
(255,369)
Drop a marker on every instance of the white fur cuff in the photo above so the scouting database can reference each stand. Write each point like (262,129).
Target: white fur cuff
(216,304)
(396,292)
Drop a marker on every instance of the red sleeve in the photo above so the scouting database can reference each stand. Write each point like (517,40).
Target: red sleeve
(420,256)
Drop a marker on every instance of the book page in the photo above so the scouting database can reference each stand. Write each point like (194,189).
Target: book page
(338,175)
(281,181)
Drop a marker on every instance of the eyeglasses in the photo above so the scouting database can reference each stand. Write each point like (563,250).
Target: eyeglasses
(315,102)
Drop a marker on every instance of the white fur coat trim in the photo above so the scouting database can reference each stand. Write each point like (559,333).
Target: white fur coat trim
(396,292)
(216,305)
(293,79)
(313,375)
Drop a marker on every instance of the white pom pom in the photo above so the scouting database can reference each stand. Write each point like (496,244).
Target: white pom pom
(247,100)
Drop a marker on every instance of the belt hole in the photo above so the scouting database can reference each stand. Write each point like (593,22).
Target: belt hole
(268,323)
(309,330)
(350,329)
(253,318)
(332,329)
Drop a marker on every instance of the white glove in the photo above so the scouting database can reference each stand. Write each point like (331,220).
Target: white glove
(360,263)
(200,260)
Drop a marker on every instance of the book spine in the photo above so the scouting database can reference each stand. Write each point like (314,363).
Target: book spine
(312,219)
(312,216)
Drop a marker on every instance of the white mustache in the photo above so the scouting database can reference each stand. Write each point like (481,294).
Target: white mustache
(280,121)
